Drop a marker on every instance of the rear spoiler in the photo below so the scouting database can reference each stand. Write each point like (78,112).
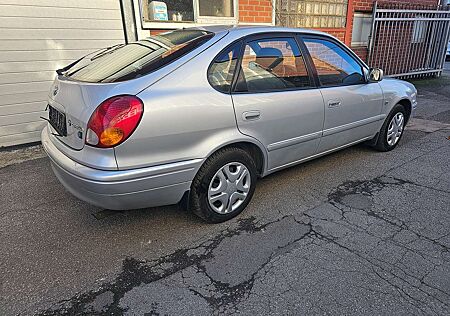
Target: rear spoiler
(63,70)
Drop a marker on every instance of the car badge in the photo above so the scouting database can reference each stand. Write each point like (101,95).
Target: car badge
(55,90)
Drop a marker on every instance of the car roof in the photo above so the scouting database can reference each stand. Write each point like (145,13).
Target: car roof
(243,30)
(238,31)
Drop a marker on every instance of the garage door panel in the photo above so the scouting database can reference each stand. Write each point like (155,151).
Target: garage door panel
(23,108)
(55,12)
(23,98)
(36,125)
(21,138)
(21,118)
(43,55)
(30,76)
(33,65)
(13,88)
(92,4)
(37,37)
(59,24)
(14,45)
(53,34)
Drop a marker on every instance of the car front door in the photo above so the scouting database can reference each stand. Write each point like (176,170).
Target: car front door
(353,106)
(276,100)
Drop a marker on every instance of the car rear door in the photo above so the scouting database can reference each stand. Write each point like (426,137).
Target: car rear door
(353,106)
(275,98)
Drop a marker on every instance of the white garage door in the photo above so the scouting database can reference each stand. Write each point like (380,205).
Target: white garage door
(36,38)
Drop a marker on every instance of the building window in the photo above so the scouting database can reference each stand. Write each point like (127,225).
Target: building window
(216,8)
(419,31)
(310,13)
(188,11)
(362,24)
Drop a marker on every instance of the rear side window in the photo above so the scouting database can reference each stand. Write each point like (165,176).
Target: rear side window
(221,71)
(272,64)
(125,62)
(334,65)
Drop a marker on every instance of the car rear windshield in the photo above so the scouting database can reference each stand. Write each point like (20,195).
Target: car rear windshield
(125,62)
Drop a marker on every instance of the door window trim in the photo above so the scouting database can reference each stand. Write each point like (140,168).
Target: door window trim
(241,43)
(269,35)
(364,67)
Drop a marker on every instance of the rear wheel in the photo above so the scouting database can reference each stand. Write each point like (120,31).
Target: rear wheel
(224,185)
(392,129)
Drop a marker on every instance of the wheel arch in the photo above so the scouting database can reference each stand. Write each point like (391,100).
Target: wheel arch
(253,147)
(407,105)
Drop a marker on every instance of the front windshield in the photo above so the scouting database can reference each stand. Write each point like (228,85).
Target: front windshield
(125,62)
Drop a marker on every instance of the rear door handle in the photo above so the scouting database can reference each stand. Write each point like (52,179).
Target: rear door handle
(251,115)
(334,103)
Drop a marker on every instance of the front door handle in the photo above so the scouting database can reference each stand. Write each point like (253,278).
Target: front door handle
(251,115)
(334,103)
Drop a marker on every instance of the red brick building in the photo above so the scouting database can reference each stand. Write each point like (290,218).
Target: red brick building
(186,13)
(348,20)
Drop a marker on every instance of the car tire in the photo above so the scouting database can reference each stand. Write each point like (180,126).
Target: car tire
(384,142)
(223,186)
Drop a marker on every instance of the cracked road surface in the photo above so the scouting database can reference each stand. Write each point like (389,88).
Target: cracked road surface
(356,232)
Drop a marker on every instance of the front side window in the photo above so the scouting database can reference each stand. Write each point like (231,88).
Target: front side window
(221,71)
(272,64)
(334,66)
(125,62)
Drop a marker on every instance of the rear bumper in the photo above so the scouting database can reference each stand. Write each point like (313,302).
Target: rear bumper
(122,189)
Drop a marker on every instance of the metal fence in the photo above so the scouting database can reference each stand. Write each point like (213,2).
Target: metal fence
(409,42)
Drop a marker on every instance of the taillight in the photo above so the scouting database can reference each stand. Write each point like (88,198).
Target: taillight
(114,121)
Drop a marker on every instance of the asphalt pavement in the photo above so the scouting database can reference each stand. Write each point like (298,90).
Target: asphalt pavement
(356,232)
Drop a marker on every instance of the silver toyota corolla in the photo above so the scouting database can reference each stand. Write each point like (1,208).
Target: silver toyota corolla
(198,115)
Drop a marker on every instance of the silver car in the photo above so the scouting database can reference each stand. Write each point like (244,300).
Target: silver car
(196,116)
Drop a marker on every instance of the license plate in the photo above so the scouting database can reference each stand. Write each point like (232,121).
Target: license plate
(57,120)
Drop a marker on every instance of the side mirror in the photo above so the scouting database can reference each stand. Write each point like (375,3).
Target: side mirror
(375,75)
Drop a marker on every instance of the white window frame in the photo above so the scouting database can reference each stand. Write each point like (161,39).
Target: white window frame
(198,20)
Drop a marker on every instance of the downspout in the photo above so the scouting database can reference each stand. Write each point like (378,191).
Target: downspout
(349,24)
(128,20)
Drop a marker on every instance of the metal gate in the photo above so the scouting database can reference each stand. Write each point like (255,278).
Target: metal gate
(409,42)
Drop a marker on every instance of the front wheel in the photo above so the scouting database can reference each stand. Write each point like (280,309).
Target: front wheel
(223,186)
(392,129)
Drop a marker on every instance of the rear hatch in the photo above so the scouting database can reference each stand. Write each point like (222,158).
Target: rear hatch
(82,86)
(70,106)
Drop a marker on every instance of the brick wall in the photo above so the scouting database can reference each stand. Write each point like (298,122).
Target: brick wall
(338,33)
(255,11)
(362,52)
(367,5)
